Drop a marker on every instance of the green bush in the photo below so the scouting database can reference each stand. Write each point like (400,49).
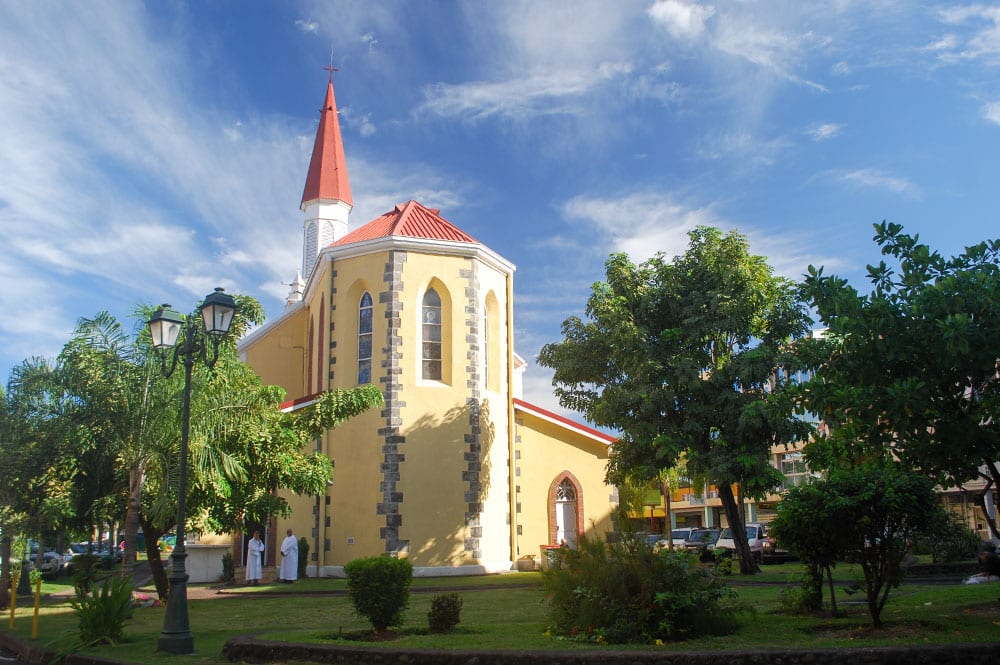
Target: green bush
(947,539)
(445,613)
(379,588)
(85,567)
(228,570)
(620,592)
(303,557)
(103,614)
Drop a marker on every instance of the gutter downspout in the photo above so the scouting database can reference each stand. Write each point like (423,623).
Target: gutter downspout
(512,485)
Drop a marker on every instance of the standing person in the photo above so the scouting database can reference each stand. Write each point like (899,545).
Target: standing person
(255,549)
(290,559)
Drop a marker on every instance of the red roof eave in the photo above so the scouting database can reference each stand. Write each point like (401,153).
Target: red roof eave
(555,418)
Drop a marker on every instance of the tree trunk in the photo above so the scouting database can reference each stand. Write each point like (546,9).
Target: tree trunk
(132,519)
(748,565)
(665,491)
(5,572)
(993,480)
(152,535)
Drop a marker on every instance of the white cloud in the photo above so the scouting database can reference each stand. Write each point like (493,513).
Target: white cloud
(991,112)
(825,131)
(683,20)
(870,178)
(369,40)
(841,68)
(981,43)
(307,25)
(640,224)
(542,93)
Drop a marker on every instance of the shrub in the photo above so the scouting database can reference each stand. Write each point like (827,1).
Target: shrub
(947,539)
(85,567)
(228,569)
(379,588)
(303,557)
(445,612)
(620,592)
(103,614)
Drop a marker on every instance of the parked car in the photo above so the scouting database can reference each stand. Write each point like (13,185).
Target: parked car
(756,535)
(52,562)
(679,536)
(647,538)
(702,542)
(774,554)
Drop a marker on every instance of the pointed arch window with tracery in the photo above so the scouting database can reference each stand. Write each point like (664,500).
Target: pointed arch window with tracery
(430,317)
(567,516)
(365,312)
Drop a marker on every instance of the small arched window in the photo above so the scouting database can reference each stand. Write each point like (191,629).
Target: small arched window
(365,339)
(430,317)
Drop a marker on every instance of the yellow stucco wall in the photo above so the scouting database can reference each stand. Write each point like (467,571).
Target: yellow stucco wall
(452,433)
(546,452)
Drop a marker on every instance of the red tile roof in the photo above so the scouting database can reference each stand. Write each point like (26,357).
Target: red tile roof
(410,219)
(327,177)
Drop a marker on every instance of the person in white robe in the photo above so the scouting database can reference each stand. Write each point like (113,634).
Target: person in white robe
(289,571)
(255,551)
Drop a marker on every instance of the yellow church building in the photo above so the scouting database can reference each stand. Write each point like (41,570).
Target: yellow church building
(457,472)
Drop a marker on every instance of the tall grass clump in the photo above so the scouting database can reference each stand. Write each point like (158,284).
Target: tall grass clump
(625,593)
(102,612)
(379,588)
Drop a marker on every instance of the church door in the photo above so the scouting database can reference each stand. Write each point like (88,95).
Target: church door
(566,513)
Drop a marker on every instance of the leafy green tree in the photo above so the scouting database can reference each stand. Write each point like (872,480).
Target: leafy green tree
(38,481)
(909,371)
(812,524)
(126,413)
(244,449)
(686,356)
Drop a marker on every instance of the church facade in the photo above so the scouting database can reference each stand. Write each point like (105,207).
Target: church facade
(456,472)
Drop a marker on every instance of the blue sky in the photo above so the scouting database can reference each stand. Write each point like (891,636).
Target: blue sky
(150,152)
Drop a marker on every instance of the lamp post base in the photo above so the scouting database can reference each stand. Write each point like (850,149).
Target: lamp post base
(176,637)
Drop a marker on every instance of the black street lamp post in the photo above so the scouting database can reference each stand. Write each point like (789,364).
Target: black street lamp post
(166,327)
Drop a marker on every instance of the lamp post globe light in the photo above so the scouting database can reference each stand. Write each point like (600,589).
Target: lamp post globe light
(190,339)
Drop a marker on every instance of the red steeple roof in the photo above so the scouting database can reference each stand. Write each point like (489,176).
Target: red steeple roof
(410,219)
(327,178)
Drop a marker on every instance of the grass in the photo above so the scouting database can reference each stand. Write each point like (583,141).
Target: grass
(509,612)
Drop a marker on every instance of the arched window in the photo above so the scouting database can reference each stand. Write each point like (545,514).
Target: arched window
(365,339)
(566,513)
(485,323)
(309,356)
(430,317)
(319,346)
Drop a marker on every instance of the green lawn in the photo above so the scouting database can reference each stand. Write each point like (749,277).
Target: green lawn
(508,612)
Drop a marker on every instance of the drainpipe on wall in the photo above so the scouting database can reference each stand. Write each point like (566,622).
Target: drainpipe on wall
(512,480)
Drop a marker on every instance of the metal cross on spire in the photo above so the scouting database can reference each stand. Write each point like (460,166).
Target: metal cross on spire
(330,68)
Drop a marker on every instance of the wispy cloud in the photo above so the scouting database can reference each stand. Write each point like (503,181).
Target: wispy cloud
(544,93)
(875,179)
(981,43)
(825,131)
(307,25)
(991,112)
(640,224)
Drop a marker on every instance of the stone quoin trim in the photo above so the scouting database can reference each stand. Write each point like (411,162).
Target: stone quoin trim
(392,440)
(332,328)
(553,488)
(472,475)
